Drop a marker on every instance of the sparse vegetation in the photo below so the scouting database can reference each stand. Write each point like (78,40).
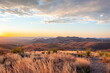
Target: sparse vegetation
(18,50)
(83,65)
(79,53)
(54,50)
(54,63)
(49,51)
(101,53)
(43,52)
(105,60)
(88,52)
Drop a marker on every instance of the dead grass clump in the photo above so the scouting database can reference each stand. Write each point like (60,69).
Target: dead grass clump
(106,54)
(105,59)
(82,65)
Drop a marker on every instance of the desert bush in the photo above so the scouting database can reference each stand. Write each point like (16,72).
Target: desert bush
(101,53)
(43,52)
(79,53)
(104,54)
(107,54)
(88,52)
(49,51)
(18,50)
(54,50)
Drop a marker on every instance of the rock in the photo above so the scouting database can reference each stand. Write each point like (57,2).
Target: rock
(24,55)
(37,58)
(37,55)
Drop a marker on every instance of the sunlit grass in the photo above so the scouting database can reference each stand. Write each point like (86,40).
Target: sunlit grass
(44,63)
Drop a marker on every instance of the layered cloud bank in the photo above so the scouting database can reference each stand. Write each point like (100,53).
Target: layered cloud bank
(64,11)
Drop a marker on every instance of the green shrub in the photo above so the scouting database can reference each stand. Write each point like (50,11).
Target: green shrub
(18,50)
(49,51)
(85,69)
(101,53)
(88,52)
(54,50)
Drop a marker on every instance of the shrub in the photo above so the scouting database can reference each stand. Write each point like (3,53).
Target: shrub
(49,51)
(79,53)
(107,54)
(54,50)
(18,50)
(43,52)
(88,52)
(101,53)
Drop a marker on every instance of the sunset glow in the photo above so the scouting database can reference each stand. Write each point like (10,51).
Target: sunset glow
(1,34)
(32,18)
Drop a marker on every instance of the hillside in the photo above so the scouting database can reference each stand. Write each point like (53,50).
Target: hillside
(61,43)
(69,46)
(69,39)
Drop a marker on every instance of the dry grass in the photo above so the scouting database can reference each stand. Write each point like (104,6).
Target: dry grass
(43,63)
(108,68)
(105,59)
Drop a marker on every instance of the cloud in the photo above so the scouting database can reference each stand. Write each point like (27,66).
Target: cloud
(58,21)
(80,10)
(6,19)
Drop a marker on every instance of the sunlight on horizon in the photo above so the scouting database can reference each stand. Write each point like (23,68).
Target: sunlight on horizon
(47,18)
(1,32)
(18,34)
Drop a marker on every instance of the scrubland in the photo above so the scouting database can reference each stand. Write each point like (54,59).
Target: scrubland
(55,62)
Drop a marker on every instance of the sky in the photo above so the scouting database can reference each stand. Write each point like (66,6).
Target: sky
(51,18)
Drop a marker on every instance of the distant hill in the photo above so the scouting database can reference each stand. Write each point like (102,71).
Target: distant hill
(69,43)
(69,39)
(69,46)
(62,43)
(7,46)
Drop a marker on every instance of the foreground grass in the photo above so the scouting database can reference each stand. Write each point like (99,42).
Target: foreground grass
(43,63)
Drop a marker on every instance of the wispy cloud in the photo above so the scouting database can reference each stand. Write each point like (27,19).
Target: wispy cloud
(88,10)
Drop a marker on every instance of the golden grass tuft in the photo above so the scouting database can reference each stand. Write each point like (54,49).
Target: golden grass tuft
(45,63)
